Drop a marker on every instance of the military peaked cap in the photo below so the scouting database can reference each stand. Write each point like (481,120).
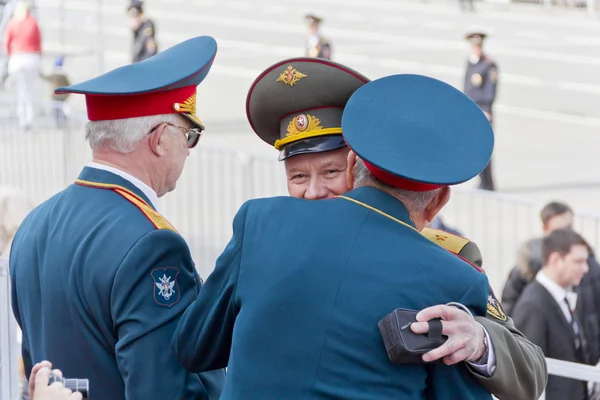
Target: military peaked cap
(417,133)
(296,105)
(163,84)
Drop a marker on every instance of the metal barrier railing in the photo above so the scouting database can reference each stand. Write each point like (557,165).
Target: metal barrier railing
(9,345)
(217,181)
(214,185)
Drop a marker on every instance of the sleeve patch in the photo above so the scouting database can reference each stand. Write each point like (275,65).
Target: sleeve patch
(165,287)
(494,308)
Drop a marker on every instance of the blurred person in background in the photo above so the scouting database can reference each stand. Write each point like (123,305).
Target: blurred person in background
(144,32)
(317,45)
(547,313)
(23,43)
(58,78)
(556,216)
(481,81)
(14,207)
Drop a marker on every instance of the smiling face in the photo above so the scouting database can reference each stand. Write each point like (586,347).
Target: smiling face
(317,176)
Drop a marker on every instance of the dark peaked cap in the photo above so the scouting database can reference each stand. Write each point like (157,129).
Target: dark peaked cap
(296,105)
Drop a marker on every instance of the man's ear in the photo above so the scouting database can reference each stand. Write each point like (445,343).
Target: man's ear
(553,258)
(350,164)
(156,140)
(437,203)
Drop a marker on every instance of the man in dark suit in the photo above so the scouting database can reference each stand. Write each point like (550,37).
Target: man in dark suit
(481,81)
(293,304)
(99,277)
(546,311)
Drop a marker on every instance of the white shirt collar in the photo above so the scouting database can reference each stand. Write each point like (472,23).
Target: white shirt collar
(147,190)
(559,293)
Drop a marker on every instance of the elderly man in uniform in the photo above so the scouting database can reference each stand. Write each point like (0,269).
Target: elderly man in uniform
(144,32)
(99,277)
(481,81)
(293,304)
(317,45)
(315,163)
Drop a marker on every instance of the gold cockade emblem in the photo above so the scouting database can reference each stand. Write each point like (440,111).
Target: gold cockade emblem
(290,76)
(303,123)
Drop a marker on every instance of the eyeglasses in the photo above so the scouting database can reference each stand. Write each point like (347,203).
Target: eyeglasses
(192,135)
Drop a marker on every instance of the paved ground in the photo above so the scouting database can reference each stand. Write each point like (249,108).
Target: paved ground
(547,119)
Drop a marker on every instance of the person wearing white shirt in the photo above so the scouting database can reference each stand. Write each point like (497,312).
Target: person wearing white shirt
(546,311)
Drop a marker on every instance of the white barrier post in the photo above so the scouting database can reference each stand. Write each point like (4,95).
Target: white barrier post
(9,349)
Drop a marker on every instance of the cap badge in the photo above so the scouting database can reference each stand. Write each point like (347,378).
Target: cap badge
(476,80)
(290,76)
(188,106)
(303,123)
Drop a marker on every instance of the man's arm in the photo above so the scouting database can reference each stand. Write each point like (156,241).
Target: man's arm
(518,369)
(491,83)
(451,379)
(515,367)
(521,372)
(202,340)
(154,285)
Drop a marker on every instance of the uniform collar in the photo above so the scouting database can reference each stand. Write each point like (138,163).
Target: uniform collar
(381,201)
(100,173)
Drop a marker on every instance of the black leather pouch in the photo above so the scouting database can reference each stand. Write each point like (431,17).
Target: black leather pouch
(402,345)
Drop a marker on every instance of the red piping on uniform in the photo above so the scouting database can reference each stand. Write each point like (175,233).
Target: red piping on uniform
(399,182)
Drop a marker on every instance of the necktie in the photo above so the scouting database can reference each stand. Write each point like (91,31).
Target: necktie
(579,343)
(574,326)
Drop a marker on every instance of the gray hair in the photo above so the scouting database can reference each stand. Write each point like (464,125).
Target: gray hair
(123,135)
(415,202)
